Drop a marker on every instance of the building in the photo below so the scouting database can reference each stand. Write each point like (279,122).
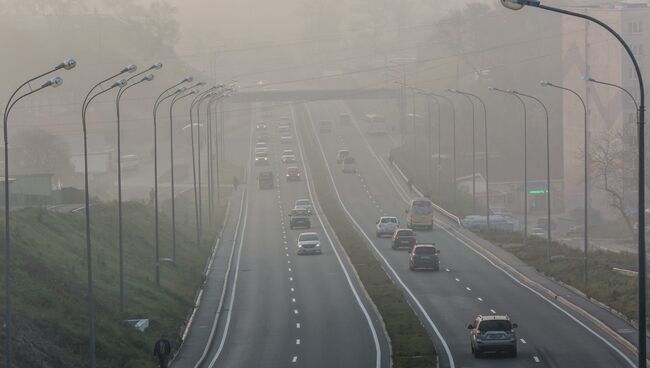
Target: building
(588,50)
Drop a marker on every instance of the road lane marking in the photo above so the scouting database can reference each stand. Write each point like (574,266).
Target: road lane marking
(293,290)
(297,341)
(468,289)
(297,325)
(446,269)
(293,300)
(295,311)
(493,311)
(289,269)
(480,299)
(295,359)
(457,279)
(290,278)
(536,359)
(522,341)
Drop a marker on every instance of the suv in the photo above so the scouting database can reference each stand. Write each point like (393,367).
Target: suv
(424,256)
(403,238)
(308,243)
(303,203)
(293,173)
(386,225)
(299,217)
(493,334)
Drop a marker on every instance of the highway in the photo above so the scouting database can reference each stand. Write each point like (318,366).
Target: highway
(281,309)
(550,335)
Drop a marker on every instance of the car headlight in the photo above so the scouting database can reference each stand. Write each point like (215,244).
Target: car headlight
(317,244)
(299,245)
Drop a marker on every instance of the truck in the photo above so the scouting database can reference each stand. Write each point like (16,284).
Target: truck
(265,180)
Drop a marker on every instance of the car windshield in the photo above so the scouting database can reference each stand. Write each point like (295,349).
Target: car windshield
(387,220)
(422,207)
(425,250)
(308,237)
(495,325)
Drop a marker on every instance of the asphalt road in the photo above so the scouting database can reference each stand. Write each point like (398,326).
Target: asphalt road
(281,309)
(467,284)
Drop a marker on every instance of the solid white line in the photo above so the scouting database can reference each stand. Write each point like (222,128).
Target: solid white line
(336,252)
(388,265)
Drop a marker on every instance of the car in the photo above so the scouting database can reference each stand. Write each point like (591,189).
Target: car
(265,180)
(293,173)
(403,238)
(261,126)
(299,218)
(261,159)
(303,203)
(576,230)
(308,243)
(263,138)
(342,155)
(424,257)
(288,152)
(284,128)
(538,232)
(349,165)
(288,159)
(386,225)
(285,119)
(288,138)
(261,145)
(493,333)
(345,120)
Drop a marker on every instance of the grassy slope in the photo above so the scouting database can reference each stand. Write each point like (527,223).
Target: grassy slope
(411,345)
(49,263)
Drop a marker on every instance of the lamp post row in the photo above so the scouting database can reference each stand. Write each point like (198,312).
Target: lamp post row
(122,85)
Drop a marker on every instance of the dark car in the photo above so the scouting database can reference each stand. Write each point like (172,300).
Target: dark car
(293,173)
(493,333)
(403,239)
(424,257)
(299,218)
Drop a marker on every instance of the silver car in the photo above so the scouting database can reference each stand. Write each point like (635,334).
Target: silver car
(493,333)
(308,243)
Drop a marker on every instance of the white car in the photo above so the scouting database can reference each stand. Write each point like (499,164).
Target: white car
(261,145)
(303,203)
(538,232)
(308,243)
(286,138)
(386,225)
(288,152)
(288,159)
(284,128)
(261,159)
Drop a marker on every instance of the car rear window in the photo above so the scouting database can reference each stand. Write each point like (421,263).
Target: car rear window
(405,233)
(303,202)
(425,250)
(386,220)
(495,325)
(349,160)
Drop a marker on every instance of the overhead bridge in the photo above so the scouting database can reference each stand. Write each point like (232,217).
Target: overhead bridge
(244,96)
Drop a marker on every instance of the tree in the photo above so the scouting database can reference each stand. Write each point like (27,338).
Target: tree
(35,151)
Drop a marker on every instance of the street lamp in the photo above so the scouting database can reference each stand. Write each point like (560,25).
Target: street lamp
(218,93)
(523,105)
(54,82)
(586,179)
(473,147)
(84,107)
(518,4)
(177,97)
(437,101)
(155,165)
(485,136)
(548,176)
(120,92)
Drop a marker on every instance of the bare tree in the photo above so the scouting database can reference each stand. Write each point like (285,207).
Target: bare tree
(606,156)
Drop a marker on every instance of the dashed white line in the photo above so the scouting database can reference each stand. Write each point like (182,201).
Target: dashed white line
(295,311)
(457,279)
(297,341)
(480,299)
(493,311)
(295,359)
(289,269)
(293,290)
(297,325)
(468,289)
(522,341)
(446,269)
(293,300)
(536,359)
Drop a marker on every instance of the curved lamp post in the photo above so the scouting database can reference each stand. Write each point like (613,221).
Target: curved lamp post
(91,299)
(120,92)
(518,4)
(156,104)
(523,105)
(471,103)
(8,312)
(586,178)
(548,175)
(485,136)
(171,152)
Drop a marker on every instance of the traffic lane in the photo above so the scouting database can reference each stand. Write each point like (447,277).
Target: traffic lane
(464,261)
(261,319)
(332,319)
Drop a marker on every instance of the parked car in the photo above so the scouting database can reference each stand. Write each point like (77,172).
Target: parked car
(493,333)
(308,243)
(386,225)
(403,238)
(424,257)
